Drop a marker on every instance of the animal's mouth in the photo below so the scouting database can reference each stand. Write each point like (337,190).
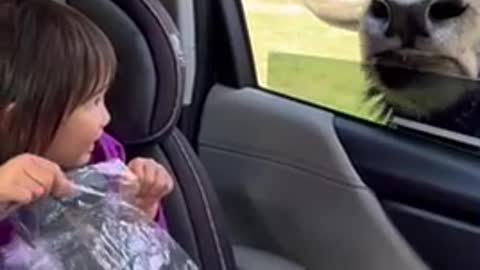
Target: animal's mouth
(402,69)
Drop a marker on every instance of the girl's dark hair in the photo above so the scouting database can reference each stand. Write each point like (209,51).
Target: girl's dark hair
(52,59)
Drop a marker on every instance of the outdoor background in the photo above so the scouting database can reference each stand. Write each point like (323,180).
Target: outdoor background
(300,56)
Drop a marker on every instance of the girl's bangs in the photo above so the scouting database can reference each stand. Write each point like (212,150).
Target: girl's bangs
(95,66)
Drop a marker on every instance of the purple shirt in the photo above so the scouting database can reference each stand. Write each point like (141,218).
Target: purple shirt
(106,148)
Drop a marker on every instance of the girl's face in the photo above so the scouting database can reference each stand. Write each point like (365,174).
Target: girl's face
(74,141)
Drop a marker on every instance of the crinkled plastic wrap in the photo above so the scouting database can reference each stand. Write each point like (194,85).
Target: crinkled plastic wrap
(95,229)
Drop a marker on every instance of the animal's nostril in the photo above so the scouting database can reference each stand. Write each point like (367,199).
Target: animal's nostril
(446,9)
(379,10)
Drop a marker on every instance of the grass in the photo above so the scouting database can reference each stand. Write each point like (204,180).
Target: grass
(331,83)
(300,56)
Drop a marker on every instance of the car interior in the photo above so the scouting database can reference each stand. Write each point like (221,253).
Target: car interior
(145,102)
(265,181)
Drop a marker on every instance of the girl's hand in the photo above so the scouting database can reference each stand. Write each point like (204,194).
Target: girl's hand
(155,183)
(27,178)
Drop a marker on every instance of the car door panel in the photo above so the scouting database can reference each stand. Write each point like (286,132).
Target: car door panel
(431,192)
(414,171)
(288,186)
(444,242)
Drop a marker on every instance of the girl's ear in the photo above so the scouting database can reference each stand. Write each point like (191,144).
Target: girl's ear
(10,107)
(5,115)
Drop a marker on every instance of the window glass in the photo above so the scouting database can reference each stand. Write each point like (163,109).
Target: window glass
(419,66)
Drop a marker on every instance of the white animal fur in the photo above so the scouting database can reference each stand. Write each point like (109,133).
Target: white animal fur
(453,48)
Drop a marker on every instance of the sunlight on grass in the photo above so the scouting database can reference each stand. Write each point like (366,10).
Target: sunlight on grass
(312,79)
(300,56)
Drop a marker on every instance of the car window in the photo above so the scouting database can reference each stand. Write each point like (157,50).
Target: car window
(387,61)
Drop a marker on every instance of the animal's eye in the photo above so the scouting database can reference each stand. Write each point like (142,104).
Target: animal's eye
(447,9)
(379,9)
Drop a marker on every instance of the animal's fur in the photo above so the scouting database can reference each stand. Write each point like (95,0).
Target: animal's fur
(438,61)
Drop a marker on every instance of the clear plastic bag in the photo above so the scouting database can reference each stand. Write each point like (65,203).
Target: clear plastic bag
(95,229)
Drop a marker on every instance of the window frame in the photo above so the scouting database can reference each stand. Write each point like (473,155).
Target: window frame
(243,44)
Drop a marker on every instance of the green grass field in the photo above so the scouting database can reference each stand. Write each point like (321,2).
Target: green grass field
(332,83)
(300,56)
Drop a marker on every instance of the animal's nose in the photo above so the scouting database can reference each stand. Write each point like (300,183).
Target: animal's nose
(409,20)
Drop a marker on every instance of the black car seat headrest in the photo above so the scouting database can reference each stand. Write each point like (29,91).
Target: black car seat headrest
(145,98)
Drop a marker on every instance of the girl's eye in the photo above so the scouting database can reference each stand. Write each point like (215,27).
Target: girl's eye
(98,100)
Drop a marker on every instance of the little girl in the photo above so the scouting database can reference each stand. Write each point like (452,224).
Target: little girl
(55,69)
